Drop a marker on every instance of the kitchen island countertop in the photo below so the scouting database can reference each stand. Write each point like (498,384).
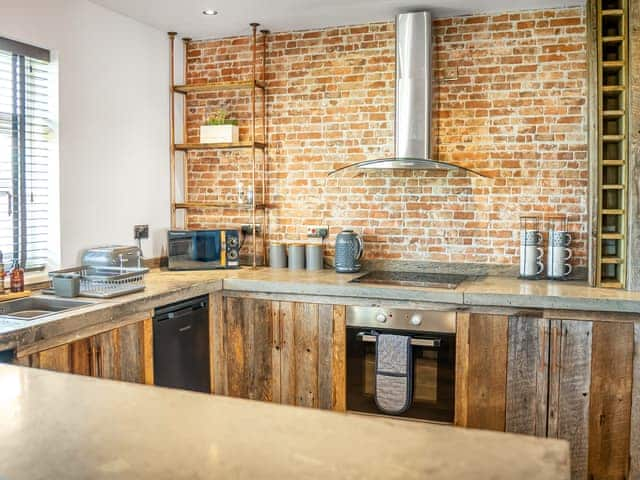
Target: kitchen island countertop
(58,425)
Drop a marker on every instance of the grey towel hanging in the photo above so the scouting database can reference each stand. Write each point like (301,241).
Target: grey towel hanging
(394,375)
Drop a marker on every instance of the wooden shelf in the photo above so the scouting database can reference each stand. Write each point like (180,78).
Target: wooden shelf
(238,206)
(218,86)
(612,236)
(218,146)
(257,129)
(611,39)
(614,12)
(612,138)
(612,260)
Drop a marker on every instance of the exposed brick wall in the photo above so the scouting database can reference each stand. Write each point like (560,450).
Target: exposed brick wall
(509,99)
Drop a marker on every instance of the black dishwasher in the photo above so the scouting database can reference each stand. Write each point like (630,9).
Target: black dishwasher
(181,345)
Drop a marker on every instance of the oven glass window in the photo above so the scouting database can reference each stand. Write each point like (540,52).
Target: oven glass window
(433,378)
(425,374)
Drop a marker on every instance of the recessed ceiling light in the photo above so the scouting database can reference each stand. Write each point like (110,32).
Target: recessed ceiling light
(208,11)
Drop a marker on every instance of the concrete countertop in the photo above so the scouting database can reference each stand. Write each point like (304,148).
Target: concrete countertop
(57,425)
(163,287)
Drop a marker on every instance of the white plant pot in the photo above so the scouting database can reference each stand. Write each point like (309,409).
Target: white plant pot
(219,134)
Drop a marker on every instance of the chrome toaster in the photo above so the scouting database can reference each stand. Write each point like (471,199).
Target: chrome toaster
(124,257)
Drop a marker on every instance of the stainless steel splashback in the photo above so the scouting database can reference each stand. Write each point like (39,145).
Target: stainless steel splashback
(413,86)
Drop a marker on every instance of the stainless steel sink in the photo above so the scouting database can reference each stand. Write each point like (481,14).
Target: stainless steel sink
(34,308)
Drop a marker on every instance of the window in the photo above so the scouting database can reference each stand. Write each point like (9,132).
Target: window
(25,133)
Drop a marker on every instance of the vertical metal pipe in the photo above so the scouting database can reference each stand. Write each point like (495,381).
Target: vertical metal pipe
(185,136)
(172,128)
(254,27)
(265,150)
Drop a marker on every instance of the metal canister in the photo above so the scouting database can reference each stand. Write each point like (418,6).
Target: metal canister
(277,255)
(296,256)
(314,256)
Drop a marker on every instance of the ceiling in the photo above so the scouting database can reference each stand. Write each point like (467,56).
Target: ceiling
(186,18)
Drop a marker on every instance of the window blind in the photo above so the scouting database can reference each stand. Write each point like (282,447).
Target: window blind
(25,130)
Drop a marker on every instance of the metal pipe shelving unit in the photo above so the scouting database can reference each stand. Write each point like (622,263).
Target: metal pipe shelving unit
(253,145)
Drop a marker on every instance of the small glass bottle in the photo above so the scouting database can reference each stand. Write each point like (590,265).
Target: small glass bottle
(17,278)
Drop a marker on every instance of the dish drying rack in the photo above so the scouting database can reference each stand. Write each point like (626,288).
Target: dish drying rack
(106,282)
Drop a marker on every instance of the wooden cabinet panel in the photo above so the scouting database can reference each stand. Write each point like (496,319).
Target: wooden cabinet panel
(590,385)
(610,399)
(243,357)
(313,349)
(107,354)
(123,353)
(481,371)
(307,354)
(570,376)
(569,379)
(284,352)
(527,376)
(58,359)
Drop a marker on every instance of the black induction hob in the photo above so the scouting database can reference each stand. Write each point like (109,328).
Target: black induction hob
(413,279)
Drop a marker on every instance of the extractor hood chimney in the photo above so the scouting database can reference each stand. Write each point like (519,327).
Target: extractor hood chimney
(412,132)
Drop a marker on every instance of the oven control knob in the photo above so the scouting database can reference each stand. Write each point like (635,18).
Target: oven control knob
(416,320)
(381,317)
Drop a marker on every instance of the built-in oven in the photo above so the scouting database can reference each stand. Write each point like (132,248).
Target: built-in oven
(433,353)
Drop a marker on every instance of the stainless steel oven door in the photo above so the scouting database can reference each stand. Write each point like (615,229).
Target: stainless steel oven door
(433,373)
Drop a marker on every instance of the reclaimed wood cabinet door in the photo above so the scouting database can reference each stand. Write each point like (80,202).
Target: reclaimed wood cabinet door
(312,365)
(284,352)
(502,373)
(244,353)
(123,353)
(481,371)
(590,395)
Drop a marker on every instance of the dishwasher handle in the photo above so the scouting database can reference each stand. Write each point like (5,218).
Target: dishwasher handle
(417,342)
(181,309)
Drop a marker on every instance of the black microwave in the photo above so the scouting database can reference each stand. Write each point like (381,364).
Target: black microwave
(203,249)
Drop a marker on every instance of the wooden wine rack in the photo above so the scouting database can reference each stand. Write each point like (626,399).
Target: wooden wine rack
(613,148)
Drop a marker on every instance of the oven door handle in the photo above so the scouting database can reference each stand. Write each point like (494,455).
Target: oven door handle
(418,342)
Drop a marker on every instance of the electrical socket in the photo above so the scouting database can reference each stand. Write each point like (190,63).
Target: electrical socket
(140,231)
(247,229)
(317,231)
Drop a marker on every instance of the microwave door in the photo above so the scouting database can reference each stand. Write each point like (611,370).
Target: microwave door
(207,248)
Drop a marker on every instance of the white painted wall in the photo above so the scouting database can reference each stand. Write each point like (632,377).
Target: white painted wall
(113,120)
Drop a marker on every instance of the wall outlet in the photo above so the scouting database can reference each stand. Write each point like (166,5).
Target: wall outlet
(248,229)
(140,231)
(317,231)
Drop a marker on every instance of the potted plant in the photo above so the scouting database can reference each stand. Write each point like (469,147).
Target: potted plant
(219,129)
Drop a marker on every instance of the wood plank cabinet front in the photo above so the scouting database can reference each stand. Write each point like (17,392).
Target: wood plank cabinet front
(568,379)
(123,353)
(285,352)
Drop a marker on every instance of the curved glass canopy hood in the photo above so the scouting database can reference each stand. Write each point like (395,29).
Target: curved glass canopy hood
(412,131)
(400,163)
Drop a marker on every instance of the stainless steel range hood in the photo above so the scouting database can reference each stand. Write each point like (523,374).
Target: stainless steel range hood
(413,101)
